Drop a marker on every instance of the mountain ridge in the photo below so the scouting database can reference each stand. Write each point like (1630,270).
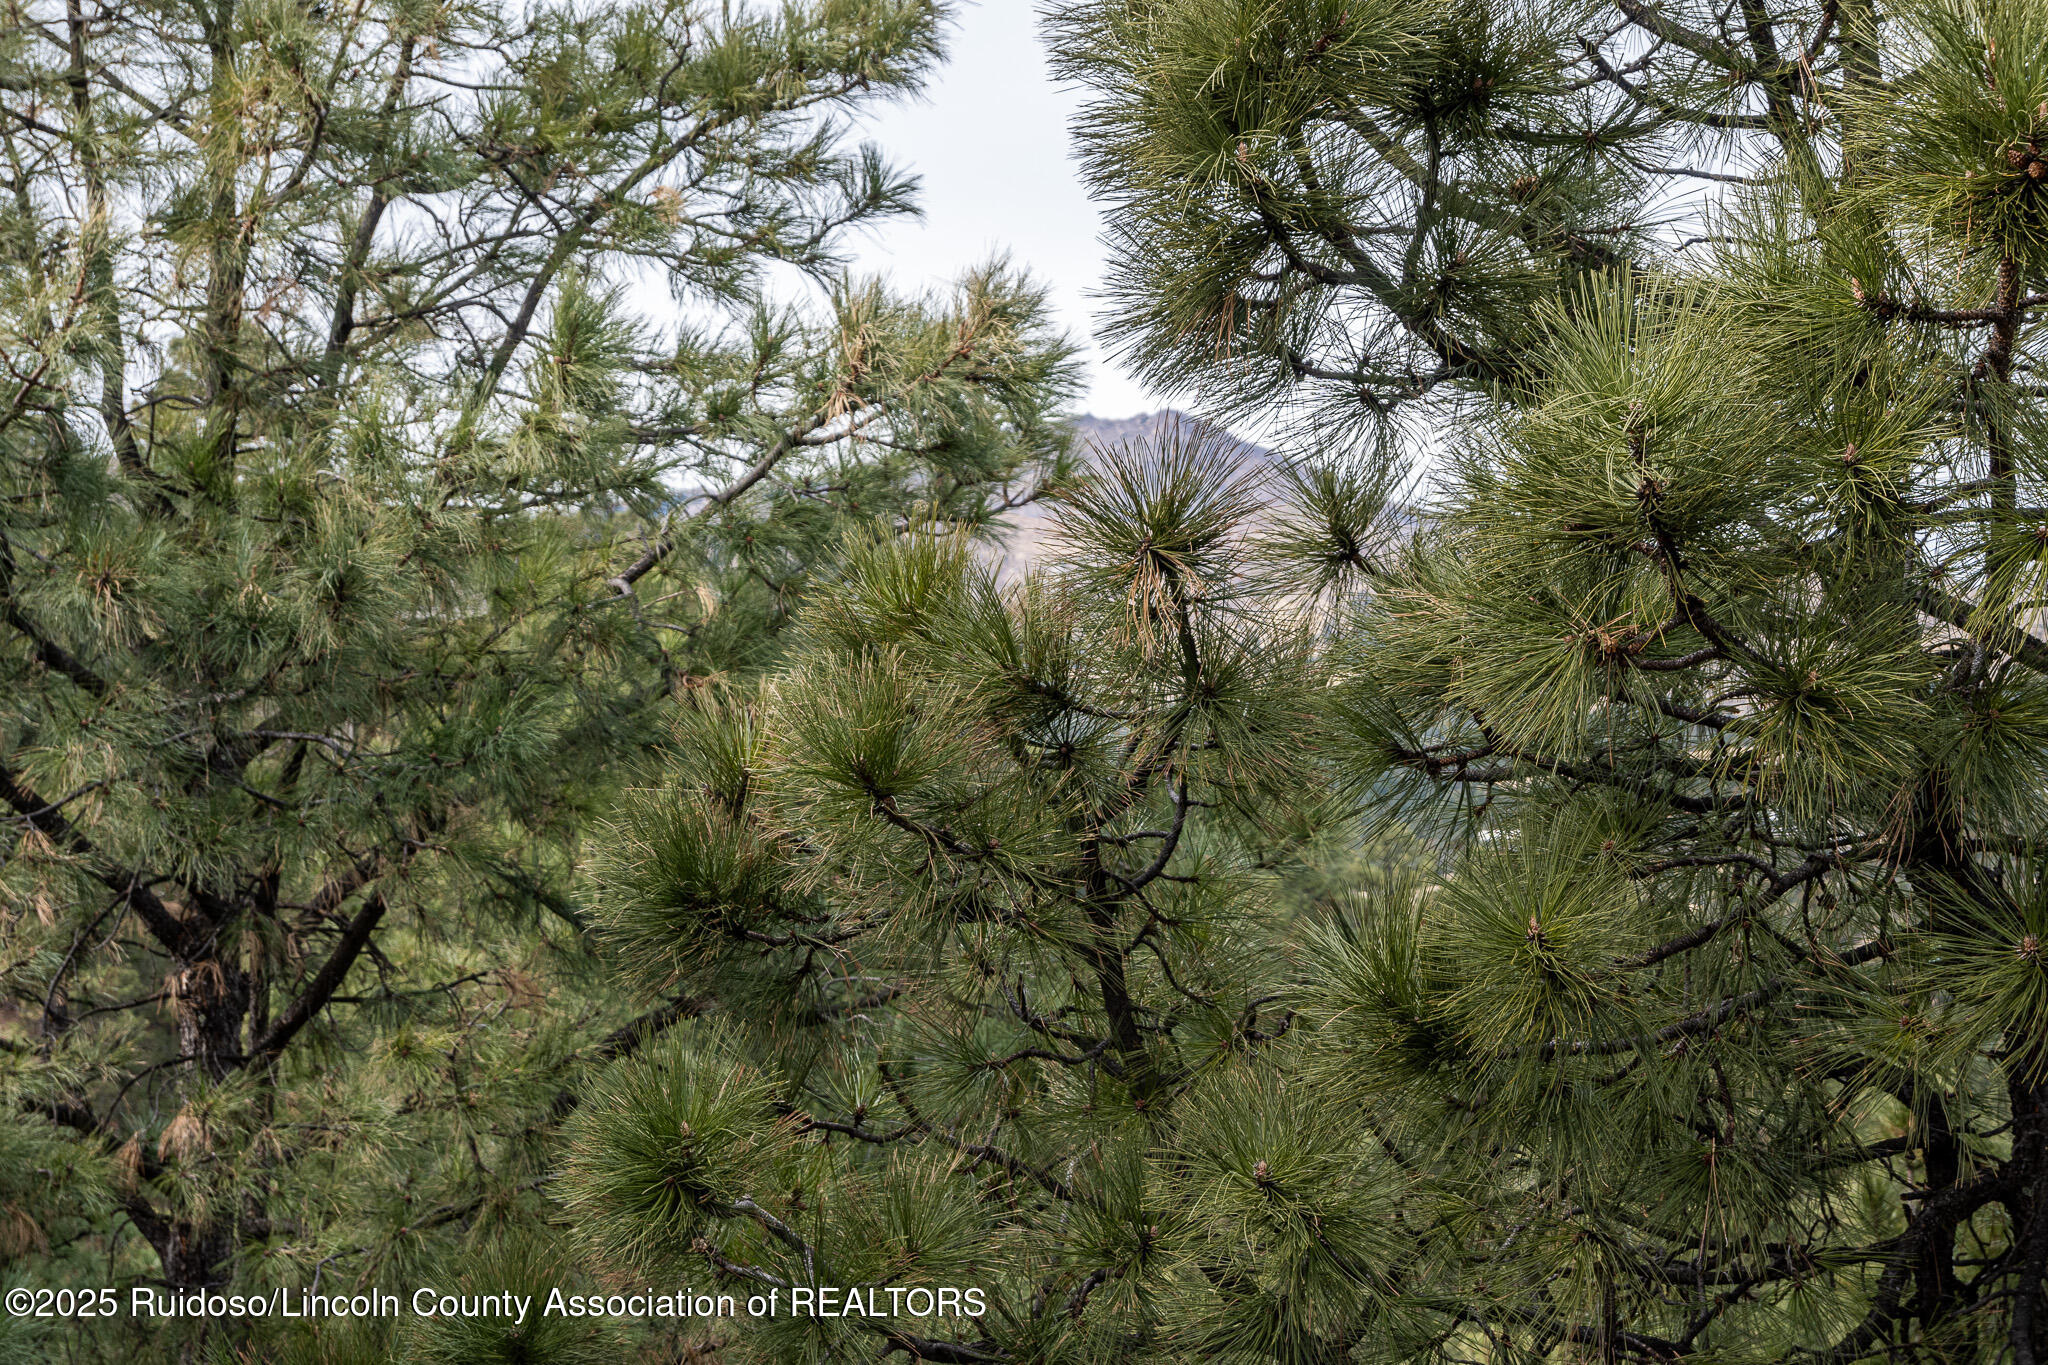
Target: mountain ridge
(1109,433)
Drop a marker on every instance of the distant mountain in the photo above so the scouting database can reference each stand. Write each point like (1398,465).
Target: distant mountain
(1108,433)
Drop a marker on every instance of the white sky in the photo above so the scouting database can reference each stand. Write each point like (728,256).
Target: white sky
(989,139)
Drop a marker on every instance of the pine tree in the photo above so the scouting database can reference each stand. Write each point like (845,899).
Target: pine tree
(395,414)
(1559,877)
(988,892)
(1716,1024)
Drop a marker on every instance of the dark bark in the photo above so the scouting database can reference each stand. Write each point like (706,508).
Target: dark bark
(325,981)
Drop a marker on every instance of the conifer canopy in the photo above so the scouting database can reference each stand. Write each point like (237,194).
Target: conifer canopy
(1550,869)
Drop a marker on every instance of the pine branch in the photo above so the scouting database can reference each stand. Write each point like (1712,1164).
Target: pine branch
(1708,1020)
(48,652)
(2008,638)
(1781,882)
(1936,1217)
(1652,19)
(324,983)
(1168,846)
(1648,99)
(132,885)
(941,1352)
(1045,1180)
(627,1040)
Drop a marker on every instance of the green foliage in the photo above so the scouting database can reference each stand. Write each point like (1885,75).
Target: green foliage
(1552,872)
(665,1144)
(1285,1225)
(1706,1025)
(1951,146)
(493,1332)
(1424,157)
(1020,954)
(364,512)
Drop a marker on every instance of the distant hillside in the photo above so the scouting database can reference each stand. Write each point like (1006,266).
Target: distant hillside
(1107,433)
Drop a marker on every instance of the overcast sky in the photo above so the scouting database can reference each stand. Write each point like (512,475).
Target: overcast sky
(989,138)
